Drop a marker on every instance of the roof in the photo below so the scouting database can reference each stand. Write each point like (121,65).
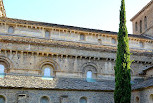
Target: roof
(33,82)
(143,9)
(144,84)
(12,81)
(145,70)
(36,23)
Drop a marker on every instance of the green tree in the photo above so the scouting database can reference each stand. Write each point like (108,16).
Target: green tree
(122,92)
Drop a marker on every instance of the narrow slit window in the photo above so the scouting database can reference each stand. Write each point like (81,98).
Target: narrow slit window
(136,26)
(140,26)
(145,21)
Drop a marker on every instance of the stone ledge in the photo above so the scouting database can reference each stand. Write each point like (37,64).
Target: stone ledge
(40,41)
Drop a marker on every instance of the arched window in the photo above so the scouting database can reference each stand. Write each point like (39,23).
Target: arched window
(140,26)
(89,71)
(136,26)
(137,99)
(89,74)
(151,98)
(11,29)
(2,69)
(47,34)
(47,72)
(83,100)
(2,99)
(44,100)
(145,22)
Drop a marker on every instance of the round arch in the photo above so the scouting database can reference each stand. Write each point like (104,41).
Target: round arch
(45,99)
(89,67)
(83,100)
(2,99)
(151,98)
(6,62)
(89,64)
(50,63)
(137,99)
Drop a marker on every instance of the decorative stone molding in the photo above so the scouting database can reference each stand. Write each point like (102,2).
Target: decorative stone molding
(89,64)
(85,68)
(49,54)
(6,62)
(49,62)
(38,41)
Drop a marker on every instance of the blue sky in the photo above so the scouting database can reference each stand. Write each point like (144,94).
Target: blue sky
(96,14)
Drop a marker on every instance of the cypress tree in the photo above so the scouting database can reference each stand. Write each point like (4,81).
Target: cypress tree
(122,92)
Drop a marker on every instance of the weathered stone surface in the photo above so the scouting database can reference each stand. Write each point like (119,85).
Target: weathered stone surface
(26,52)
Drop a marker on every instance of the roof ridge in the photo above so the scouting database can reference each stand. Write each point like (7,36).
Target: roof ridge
(142,10)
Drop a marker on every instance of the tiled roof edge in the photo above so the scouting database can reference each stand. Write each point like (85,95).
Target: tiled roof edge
(67,26)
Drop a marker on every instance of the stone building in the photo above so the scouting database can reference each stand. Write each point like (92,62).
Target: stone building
(51,63)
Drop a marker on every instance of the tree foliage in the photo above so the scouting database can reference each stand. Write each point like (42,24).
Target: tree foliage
(122,92)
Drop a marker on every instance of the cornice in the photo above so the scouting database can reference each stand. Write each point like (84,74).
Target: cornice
(65,28)
(66,44)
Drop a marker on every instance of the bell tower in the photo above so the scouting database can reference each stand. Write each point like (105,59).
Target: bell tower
(2,9)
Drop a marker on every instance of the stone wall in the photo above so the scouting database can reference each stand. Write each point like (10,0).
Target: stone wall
(67,61)
(145,95)
(55,96)
(147,12)
(62,96)
(91,38)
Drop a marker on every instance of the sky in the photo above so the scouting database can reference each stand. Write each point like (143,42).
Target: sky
(95,14)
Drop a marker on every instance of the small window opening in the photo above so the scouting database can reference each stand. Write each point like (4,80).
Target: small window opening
(141,44)
(47,72)
(140,26)
(82,37)
(113,41)
(44,100)
(145,21)
(151,98)
(137,99)
(11,29)
(2,68)
(2,99)
(47,34)
(136,26)
(89,74)
(83,100)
